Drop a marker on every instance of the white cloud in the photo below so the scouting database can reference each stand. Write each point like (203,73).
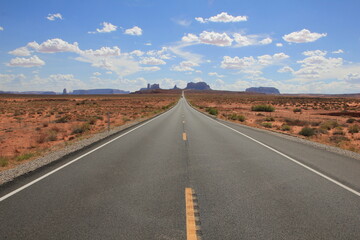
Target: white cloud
(250,64)
(190,38)
(286,69)
(169,83)
(137,53)
(107,27)
(6,78)
(151,69)
(148,44)
(188,56)
(214,38)
(215,74)
(315,53)
(182,22)
(33,61)
(352,78)
(134,31)
(162,54)
(1,28)
(237,63)
(338,51)
(21,51)
(53,17)
(54,45)
(97,74)
(185,66)
(198,79)
(109,72)
(223,17)
(102,52)
(265,41)
(152,61)
(303,36)
(279,44)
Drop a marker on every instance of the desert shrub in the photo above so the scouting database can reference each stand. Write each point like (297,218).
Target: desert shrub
(92,120)
(285,127)
(266,124)
(269,119)
(307,132)
(233,117)
(350,120)
(354,129)
(51,136)
(212,111)
(321,131)
(262,108)
(241,118)
(315,124)
(260,114)
(63,119)
(45,124)
(41,138)
(328,125)
(297,110)
(24,157)
(295,122)
(338,139)
(3,161)
(81,128)
(338,132)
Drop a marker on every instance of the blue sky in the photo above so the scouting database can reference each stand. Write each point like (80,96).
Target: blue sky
(296,46)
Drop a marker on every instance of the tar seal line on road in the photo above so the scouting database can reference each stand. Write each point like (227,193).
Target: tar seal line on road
(192,216)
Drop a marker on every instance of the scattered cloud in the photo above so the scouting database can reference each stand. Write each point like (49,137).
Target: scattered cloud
(279,44)
(148,44)
(137,53)
(214,38)
(102,52)
(303,36)
(182,22)
(223,17)
(1,28)
(97,74)
(352,78)
(151,69)
(315,53)
(54,45)
(53,17)
(33,61)
(338,51)
(136,31)
(152,61)
(185,66)
(215,74)
(265,41)
(106,28)
(21,51)
(286,69)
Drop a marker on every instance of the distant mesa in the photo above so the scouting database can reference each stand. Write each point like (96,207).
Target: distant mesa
(266,90)
(175,87)
(151,87)
(198,86)
(29,92)
(99,91)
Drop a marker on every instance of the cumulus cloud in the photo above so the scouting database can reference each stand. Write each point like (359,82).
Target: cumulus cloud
(97,74)
(237,63)
(6,78)
(303,36)
(137,53)
(249,40)
(185,66)
(151,69)
(251,64)
(54,45)
(223,17)
(190,38)
(102,52)
(352,78)
(279,44)
(163,53)
(1,28)
(338,51)
(316,65)
(21,51)
(315,53)
(134,31)
(33,61)
(107,27)
(214,38)
(215,74)
(152,61)
(182,22)
(53,17)
(286,69)
(265,41)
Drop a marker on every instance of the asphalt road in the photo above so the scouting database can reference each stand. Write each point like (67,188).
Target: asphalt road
(249,184)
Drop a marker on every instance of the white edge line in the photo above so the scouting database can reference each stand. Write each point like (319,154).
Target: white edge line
(290,158)
(76,159)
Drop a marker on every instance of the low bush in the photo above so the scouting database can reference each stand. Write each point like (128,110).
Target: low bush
(297,110)
(338,139)
(354,129)
(3,161)
(350,120)
(266,124)
(79,129)
(24,157)
(330,124)
(262,108)
(295,122)
(285,127)
(212,111)
(307,132)
(269,119)
(63,119)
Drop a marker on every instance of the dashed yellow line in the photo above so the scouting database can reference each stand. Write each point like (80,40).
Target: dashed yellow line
(184,136)
(191,227)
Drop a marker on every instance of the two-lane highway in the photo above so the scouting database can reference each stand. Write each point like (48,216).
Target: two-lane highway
(246,183)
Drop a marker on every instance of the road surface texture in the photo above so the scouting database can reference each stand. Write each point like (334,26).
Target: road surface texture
(249,184)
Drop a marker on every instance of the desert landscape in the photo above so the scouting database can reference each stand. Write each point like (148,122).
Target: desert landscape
(332,120)
(32,125)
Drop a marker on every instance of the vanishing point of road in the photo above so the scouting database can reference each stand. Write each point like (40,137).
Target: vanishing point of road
(184,175)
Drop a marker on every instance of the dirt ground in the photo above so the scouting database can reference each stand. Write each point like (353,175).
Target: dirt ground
(31,125)
(330,120)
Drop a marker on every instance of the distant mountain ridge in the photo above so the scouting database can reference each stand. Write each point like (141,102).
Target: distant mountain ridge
(266,90)
(29,92)
(99,91)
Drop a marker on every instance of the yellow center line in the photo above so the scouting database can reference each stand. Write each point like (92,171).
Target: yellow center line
(184,136)
(190,215)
